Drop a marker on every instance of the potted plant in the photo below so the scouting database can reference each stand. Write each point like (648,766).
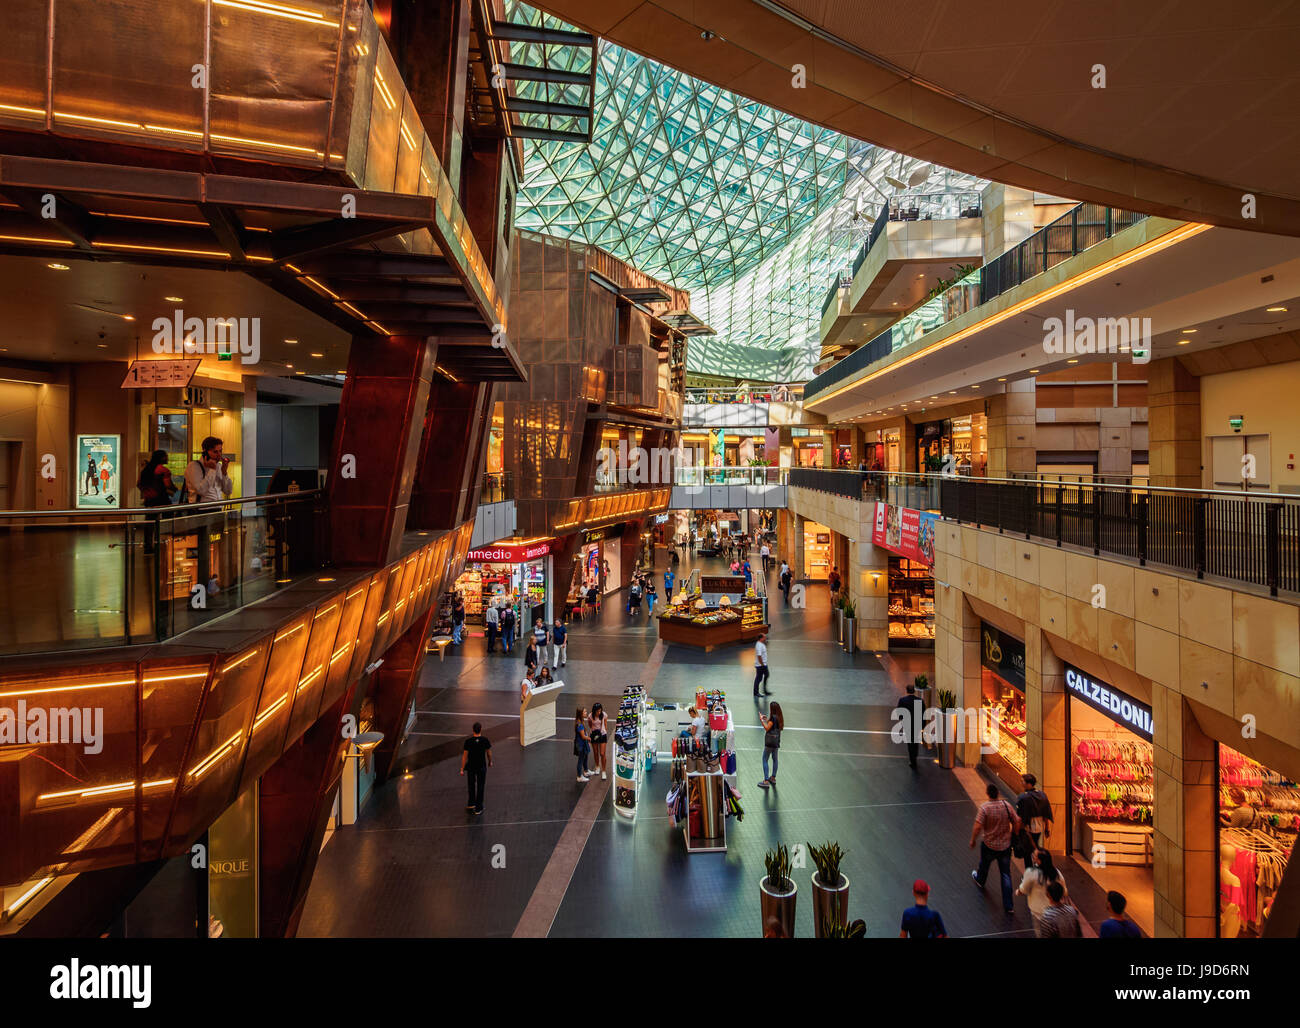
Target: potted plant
(830,895)
(837,617)
(948,715)
(777,895)
(849,637)
(839,930)
(922,685)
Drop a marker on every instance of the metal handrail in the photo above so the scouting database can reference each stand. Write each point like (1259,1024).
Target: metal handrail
(176,509)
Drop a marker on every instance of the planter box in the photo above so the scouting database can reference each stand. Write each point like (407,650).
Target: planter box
(777,911)
(829,905)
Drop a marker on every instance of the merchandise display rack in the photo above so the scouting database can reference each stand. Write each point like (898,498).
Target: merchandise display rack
(705,790)
(626,791)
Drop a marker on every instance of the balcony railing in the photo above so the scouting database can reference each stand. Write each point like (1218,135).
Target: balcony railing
(498,486)
(1251,538)
(1083,226)
(781,393)
(77,579)
(700,475)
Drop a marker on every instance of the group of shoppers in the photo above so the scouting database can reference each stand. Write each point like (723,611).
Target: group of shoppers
(590,742)
(643,587)
(206,479)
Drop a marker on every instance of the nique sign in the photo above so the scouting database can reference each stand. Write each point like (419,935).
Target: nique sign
(1118,706)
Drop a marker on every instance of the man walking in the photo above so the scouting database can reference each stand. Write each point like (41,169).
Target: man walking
(476,758)
(1118,925)
(998,822)
(457,619)
(913,708)
(1035,810)
(760,664)
(1060,920)
(786,579)
(919,921)
(506,618)
(492,621)
(559,644)
(766,553)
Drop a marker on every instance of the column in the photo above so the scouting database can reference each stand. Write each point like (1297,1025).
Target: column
(433,59)
(394,691)
(1173,425)
(1046,701)
(376,446)
(453,451)
(1012,418)
(1115,442)
(866,573)
(1186,802)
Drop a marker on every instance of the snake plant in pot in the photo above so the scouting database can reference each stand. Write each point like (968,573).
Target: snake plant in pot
(849,636)
(777,894)
(948,715)
(830,893)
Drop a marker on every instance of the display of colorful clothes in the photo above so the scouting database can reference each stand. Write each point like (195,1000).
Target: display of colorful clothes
(1244,868)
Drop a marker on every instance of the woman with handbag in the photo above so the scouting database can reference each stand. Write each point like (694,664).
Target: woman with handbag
(598,725)
(772,727)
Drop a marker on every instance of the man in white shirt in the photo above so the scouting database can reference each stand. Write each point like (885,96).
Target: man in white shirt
(491,621)
(206,479)
(766,552)
(760,665)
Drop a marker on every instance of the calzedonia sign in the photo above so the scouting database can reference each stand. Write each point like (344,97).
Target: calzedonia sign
(508,554)
(1116,705)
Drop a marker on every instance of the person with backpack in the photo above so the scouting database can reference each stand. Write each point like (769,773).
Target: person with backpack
(997,821)
(206,479)
(457,619)
(155,481)
(1035,811)
(507,621)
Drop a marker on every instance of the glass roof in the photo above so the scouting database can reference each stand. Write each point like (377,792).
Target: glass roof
(751,210)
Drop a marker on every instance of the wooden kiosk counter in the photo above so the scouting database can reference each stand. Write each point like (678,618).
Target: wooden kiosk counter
(707,627)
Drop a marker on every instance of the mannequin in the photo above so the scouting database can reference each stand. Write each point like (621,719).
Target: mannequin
(1230,894)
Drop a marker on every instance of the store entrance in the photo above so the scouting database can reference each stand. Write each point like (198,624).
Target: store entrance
(1112,789)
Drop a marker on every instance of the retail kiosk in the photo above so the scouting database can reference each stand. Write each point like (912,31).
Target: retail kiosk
(725,611)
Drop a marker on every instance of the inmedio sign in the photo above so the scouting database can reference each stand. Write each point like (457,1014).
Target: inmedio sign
(1116,705)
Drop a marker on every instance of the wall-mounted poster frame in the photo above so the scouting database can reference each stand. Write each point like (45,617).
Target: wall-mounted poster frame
(98,467)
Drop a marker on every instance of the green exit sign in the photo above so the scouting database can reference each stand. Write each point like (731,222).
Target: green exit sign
(1236,421)
(224,356)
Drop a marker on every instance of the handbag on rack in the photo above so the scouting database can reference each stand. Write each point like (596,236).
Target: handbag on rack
(718,718)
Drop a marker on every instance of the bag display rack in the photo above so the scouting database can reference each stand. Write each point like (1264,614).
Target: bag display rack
(632,729)
(703,792)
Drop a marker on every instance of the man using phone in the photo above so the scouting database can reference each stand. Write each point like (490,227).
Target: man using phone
(206,479)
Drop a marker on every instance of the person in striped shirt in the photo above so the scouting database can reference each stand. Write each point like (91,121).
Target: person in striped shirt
(1060,920)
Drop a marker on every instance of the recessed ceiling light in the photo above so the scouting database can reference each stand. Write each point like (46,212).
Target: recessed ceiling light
(952,392)
(974,387)
(1073,360)
(318,355)
(174,299)
(58,267)
(1188,331)
(292,342)
(1183,342)
(1002,380)
(1276,310)
(128,317)
(102,346)
(288,365)
(300,372)
(1033,371)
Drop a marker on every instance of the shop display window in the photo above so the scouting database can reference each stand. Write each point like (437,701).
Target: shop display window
(1004,704)
(1259,819)
(911,603)
(1112,788)
(816,552)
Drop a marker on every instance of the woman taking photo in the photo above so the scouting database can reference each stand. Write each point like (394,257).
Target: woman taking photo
(599,740)
(771,743)
(581,743)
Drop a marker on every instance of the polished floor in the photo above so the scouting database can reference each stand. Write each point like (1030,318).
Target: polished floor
(418,864)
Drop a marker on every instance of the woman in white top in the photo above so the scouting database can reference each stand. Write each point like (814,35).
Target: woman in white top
(1034,884)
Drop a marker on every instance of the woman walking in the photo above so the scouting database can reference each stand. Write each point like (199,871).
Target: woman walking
(772,727)
(581,743)
(1034,885)
(650,596)
(598,725)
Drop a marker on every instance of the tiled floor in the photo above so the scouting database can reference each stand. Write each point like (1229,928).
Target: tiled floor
(417,864)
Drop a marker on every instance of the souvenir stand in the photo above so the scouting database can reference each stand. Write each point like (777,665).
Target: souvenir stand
(633,744)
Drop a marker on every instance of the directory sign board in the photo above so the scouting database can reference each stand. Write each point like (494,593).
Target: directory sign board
(168,374)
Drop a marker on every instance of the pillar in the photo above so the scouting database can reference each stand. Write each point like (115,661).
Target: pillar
(433,56)
(828,448)
(1186,857)
(866,574)
(453,450)
(376,446)
(1012,418)
(1173,425)
(1115,443)
(1045,703)
(394,691)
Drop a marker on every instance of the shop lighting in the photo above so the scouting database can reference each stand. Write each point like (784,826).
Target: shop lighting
(68,688)
(285,635)
(318,355)
(26,897)
(97,791)
(324,579)
(174,299)
(57,267)
(162,249)
(213,758)
(383,90)
(269,712)
(186,676)
(279,11)
(309,679)
(1183,342)
(239,661)
(339,653)
(355,592)
(38,239)
(291,342)
(323,288)
(1073,360)
(1275,310)
(1189,331)
(407,138)
(22,110)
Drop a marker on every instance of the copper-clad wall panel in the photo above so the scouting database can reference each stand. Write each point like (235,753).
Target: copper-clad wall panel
(61,808)
(217,754)
(271,723)
(22,61)
(272,80)
(340,663)
(369,620)
(315,666)
(170,695)
(125,69)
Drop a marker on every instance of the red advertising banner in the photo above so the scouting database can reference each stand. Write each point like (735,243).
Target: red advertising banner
(500,553)
(907,532)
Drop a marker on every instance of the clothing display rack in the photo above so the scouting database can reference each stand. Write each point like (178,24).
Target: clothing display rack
(1113,784)
(703,792)
(1263,830)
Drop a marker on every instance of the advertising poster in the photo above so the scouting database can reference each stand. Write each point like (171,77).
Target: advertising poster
(98,468)
(907,532)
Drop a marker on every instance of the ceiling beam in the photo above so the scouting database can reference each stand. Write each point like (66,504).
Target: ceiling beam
(71,219)
(293,244)
(377,265)
(527,73)
(228,229)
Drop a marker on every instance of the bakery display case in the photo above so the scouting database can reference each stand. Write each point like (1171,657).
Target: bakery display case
(708,627)
(911,604)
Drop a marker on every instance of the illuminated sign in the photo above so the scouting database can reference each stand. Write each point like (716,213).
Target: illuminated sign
(508,554)
(1116,705)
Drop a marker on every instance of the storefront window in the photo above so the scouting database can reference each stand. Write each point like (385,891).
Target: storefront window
(816,552)
(1002,691)
(1259,818)
(911,604)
